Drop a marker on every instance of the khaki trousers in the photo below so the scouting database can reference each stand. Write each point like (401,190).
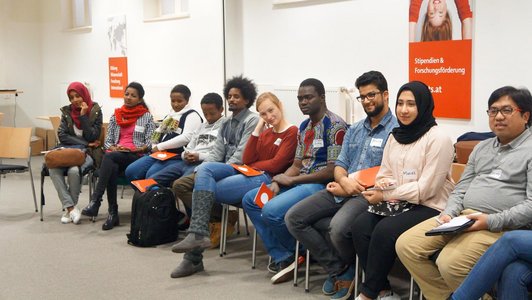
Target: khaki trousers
(458,255)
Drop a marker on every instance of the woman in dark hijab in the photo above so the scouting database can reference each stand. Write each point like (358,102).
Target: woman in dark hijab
(412,185)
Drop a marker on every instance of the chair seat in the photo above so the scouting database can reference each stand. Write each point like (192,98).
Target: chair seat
(4,168)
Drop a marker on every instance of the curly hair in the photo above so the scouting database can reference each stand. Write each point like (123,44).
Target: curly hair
(444,32)
(247,88)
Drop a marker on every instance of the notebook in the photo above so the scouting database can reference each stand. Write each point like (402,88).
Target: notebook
(264,194)
(246,170)
(162,155)
(366,177)
(143,184)
(454,226)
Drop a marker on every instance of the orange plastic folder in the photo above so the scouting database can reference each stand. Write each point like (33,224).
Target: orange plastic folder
(366,177)
(162,155)
(246,170)
(143,184)
(264,194)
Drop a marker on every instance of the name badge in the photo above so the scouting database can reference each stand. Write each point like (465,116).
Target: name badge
(139,128)
(179,130)
(410,174)
(318,143)
(277,142)
(497,173)
(375,142)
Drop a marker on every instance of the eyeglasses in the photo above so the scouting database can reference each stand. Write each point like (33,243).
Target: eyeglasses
(505,111)
(369,96)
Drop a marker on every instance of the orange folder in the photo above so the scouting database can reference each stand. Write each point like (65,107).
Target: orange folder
(366,177)
(162,155)
(246,170)
(264,194)
(143,184)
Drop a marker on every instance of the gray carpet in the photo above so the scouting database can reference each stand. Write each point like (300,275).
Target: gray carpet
(50,260)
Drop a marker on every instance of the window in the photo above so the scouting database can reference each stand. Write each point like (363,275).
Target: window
(76,15)
(160,10)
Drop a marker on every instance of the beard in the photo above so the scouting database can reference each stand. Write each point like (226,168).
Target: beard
(378,109)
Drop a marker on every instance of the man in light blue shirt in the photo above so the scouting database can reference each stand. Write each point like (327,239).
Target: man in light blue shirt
(310,221)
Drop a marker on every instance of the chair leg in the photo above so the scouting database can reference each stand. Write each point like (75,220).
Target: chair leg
(237,221)
(33,188)
(246,221)
(296,256)
(357,275)
(254,250)
(307,271)
(224,229)
(225,209)
(411,292)
(42,197)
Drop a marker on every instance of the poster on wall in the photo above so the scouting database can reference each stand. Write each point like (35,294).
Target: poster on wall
(440,40)
(116,32)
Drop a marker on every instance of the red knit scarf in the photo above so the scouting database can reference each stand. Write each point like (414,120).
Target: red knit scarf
(127,116)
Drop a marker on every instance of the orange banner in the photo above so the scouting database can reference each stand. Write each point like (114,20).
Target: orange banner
(445,66)
(117,76)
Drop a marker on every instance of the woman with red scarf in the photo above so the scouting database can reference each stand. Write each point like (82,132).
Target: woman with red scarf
(80,127)
(128,138)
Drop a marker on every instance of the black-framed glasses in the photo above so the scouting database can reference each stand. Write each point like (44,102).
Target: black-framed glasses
(505,111)
(369,96)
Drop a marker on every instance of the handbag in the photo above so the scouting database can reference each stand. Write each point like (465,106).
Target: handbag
(64,157)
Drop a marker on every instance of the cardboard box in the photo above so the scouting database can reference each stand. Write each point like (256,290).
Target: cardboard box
(37,145)
(51,140)
(40,132)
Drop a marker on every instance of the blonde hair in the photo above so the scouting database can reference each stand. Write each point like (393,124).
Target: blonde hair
(444,32)
(269,96)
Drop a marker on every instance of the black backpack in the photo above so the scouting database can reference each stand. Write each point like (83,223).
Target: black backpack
(154,217)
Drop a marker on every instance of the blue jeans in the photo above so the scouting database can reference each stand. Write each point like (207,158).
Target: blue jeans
(510,256)
(172,172)
(227,184)
(146,166)
(269,221)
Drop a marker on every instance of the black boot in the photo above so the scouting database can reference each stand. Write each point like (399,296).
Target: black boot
(112,218)
(92,209)
(112,221)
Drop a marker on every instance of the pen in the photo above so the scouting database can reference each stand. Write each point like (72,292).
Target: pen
(438,220)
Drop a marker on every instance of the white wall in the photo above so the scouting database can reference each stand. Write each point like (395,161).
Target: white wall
(44,58)
(334,41)
(20,61)
(338,41)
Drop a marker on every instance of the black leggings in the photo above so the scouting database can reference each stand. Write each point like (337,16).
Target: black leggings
(374,239)
(113,164)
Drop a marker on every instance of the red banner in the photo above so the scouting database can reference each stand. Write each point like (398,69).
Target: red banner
(445,66)
(117,76)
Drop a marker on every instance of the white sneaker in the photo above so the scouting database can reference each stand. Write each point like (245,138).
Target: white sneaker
(75,215)
(65,218)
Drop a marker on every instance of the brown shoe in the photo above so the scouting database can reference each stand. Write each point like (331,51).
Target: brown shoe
(231,222)
(216,230)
